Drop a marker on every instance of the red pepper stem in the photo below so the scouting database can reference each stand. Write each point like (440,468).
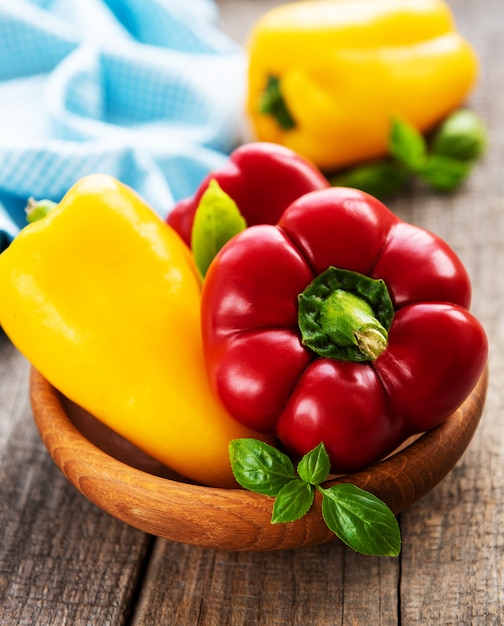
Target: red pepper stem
(345,315)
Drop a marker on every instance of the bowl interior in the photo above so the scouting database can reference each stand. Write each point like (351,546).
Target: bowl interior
(125,482)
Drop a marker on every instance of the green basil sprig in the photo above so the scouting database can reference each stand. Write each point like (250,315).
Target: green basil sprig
(357,517)
(443,163)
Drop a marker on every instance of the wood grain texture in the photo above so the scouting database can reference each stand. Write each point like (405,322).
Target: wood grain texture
(453,558)
(326,584)
(63,561)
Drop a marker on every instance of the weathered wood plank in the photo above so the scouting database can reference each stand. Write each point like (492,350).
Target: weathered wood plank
(62,560)
(453,556)
(325,585)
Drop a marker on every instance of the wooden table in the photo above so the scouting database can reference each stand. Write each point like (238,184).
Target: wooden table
(65,562)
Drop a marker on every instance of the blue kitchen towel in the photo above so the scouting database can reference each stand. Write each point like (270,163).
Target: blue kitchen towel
(149,91)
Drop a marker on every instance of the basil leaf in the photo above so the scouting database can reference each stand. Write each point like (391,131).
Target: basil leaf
(259,467)
(315,466)
(407,144)
(462,136)
(217,220)
(292,501)
(361,520)
(444,173)
(380,179)
(357,517)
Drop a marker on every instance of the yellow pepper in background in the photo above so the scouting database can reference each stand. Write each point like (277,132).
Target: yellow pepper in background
(326,77)
(103,298)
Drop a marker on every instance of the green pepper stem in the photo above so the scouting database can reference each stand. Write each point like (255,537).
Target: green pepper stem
(348,319)
(345,315)
(273,103)
(37,209)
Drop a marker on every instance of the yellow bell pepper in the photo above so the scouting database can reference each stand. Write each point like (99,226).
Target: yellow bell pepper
(103,298)
(326,77)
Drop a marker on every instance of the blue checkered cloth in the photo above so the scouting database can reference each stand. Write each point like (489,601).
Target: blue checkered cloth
(149,91)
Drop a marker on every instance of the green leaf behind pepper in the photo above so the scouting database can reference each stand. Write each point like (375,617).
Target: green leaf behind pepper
(407,145)
(456,145)
(462,136)
(380,179)
(444,173)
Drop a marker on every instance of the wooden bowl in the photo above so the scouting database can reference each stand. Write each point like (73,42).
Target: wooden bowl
(132,487)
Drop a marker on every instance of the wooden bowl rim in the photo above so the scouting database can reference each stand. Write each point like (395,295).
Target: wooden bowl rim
(235,519)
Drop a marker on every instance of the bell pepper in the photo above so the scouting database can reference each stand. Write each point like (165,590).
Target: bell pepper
(262,178)
(341,324)
(325,77)
(102,297)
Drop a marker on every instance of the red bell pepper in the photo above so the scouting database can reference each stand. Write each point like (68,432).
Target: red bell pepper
(341,324)
(262,178)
